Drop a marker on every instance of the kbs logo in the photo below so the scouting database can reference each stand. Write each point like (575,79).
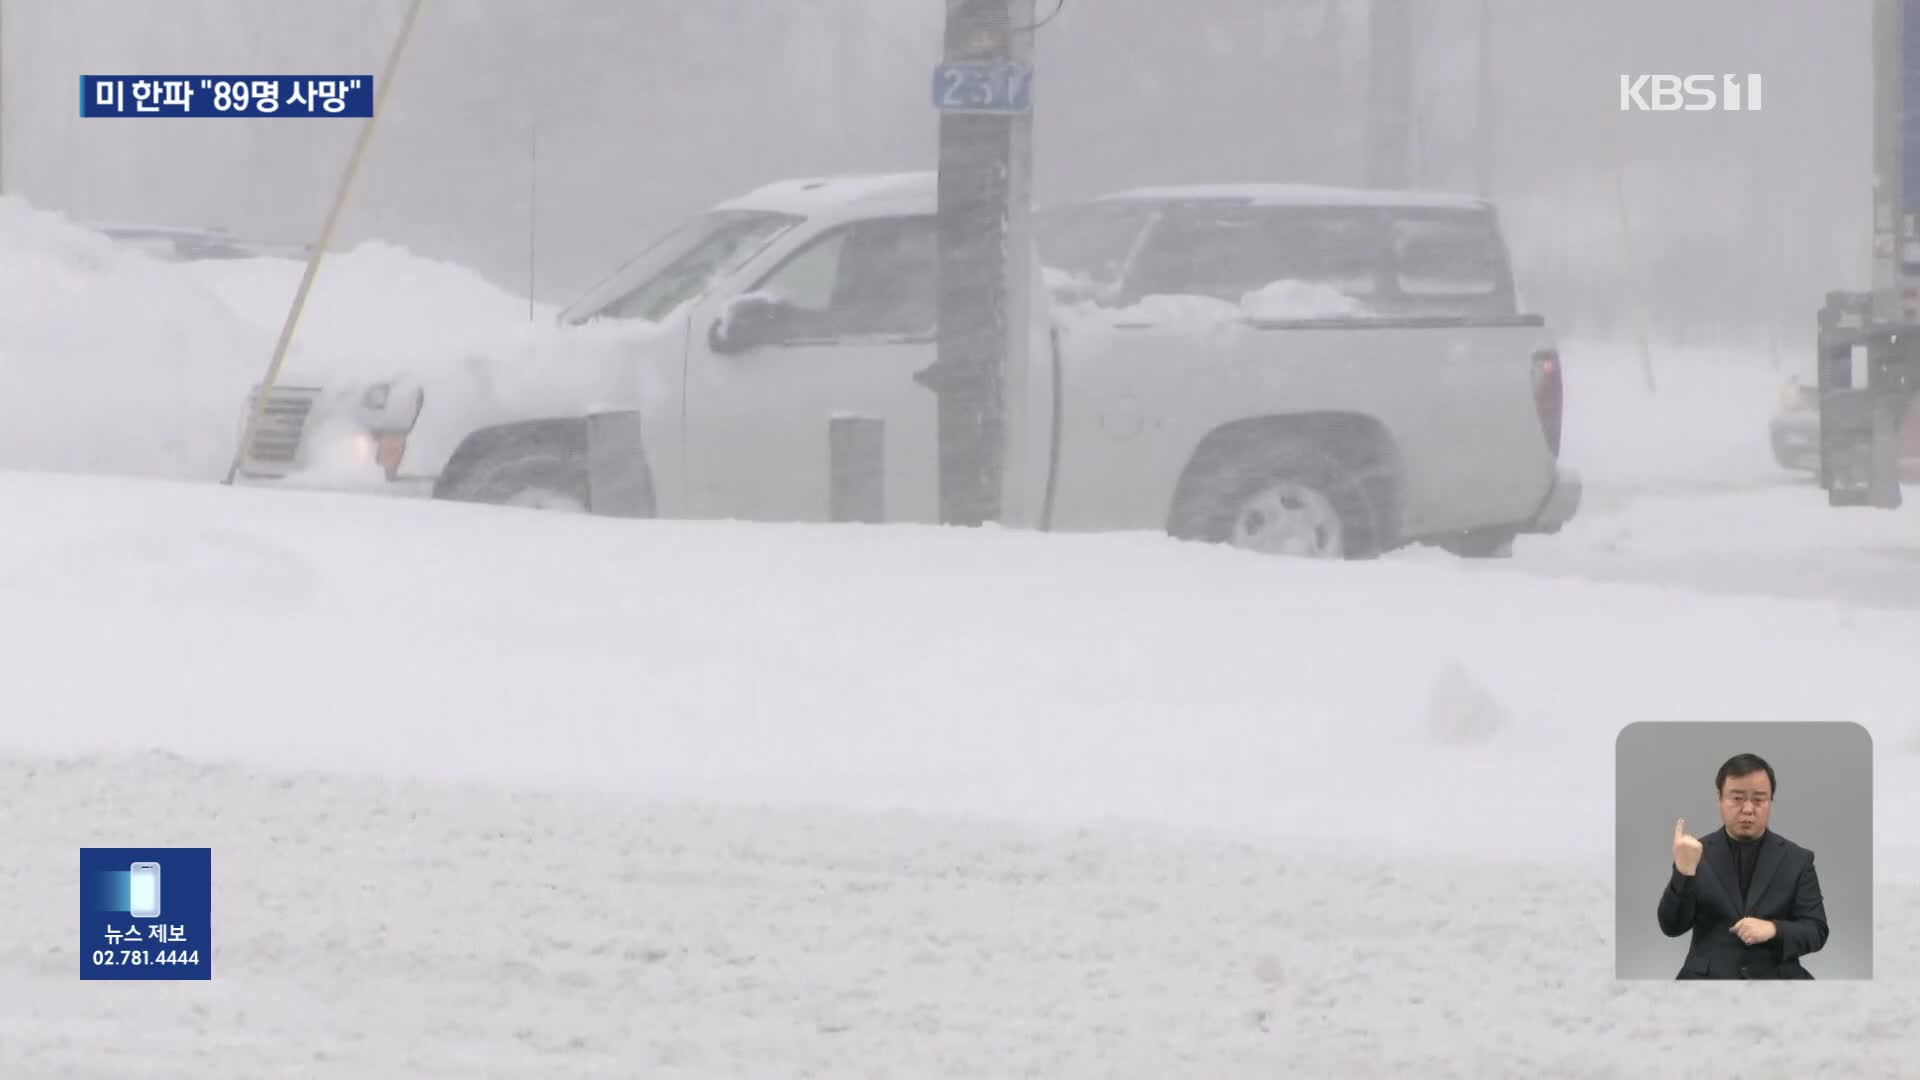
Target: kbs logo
(1691,93)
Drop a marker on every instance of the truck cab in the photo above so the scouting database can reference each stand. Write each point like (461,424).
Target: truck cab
(720,356)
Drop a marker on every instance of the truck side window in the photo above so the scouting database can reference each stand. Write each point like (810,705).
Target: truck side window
(1094,242)
(806,281)
(873,279)
(1230,252)
(1446,257)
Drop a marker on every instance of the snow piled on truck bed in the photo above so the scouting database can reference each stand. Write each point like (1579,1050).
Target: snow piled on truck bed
(1208,317)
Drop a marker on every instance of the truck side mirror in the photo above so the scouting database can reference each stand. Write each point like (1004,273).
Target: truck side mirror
(746,323)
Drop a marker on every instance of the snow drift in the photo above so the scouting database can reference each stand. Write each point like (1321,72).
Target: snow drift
(892,668)
(113,361)
(372,306)
(116,362)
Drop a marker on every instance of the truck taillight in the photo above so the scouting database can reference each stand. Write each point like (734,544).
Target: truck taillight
(1549,396)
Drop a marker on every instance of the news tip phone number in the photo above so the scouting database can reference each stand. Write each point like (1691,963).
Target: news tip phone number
(141,957)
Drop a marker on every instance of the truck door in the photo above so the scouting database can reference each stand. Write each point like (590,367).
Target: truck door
(852,320)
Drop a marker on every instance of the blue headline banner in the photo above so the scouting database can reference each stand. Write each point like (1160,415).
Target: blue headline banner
(226,95)
(146,913)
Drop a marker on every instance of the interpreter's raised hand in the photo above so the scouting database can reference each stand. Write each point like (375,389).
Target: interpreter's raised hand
(1686,849)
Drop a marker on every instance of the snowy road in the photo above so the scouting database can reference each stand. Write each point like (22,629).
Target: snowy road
(1008,675)
(1781,540)
(403,929)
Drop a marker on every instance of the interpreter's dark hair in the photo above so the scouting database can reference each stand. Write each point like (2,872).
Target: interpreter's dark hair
(1742,765)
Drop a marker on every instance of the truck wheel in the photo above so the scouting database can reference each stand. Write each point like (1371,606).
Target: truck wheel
(1481,544)
(1282,496)
(540,478)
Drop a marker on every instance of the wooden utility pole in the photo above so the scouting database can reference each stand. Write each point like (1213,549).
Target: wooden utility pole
(985,255)
(258,410)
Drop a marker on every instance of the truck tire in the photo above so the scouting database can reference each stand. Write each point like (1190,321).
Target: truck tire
(536,477)
(1281,495)
(1481,544)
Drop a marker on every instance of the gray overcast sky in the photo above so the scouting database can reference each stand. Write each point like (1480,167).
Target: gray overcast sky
(646,111)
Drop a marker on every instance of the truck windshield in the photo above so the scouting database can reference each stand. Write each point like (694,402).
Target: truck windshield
(680,266)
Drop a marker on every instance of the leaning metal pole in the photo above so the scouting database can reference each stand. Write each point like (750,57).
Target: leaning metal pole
(380,92)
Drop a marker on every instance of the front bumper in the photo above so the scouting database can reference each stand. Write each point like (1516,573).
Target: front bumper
(358,482)
(309,438)
(1562,503)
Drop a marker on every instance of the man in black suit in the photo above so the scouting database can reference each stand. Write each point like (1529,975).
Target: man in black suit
(1749,895)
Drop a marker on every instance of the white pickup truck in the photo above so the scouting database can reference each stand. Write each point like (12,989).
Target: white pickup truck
(1307,371)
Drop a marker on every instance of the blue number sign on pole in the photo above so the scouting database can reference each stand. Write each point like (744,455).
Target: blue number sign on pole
(997,87)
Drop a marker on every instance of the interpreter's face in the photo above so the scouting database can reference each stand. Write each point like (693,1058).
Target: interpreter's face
(1746,804)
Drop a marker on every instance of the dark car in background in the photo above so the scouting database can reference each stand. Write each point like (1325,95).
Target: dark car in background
(179,244)
(1795,433)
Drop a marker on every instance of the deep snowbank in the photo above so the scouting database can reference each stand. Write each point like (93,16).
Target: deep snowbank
(373,307)
(113,361)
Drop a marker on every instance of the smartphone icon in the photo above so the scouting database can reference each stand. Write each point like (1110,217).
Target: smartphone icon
(143,890)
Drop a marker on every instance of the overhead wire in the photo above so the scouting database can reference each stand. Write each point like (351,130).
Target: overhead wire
(1058,7)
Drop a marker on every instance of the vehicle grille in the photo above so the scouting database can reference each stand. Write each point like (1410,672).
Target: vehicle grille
(276,441)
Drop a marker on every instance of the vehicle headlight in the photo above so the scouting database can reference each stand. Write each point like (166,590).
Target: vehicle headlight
(390,407)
